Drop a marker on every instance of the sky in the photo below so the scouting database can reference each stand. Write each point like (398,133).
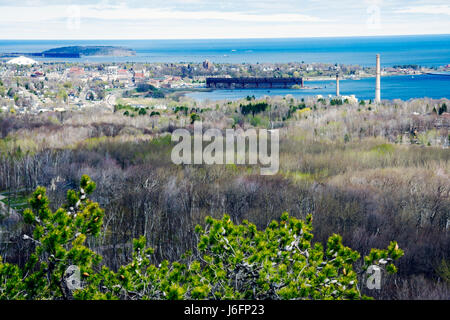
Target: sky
(207,19)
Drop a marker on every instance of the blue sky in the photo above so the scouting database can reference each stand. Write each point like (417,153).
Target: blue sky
(191,19)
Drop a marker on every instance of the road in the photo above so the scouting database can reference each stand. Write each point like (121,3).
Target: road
(110,100)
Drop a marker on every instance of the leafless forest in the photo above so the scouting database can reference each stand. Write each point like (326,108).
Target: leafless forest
(372,173)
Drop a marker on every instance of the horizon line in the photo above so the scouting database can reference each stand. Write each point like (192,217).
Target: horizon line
(226,38)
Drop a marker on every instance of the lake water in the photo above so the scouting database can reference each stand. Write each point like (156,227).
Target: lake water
(429,50)
(392,87)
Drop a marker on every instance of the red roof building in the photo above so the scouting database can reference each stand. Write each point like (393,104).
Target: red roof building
(76,71)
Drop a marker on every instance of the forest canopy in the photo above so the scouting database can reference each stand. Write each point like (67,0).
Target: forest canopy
(231,261)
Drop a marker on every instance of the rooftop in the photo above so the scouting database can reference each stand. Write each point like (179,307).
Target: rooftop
(22,61)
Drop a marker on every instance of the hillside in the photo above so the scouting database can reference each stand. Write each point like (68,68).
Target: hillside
(90,51)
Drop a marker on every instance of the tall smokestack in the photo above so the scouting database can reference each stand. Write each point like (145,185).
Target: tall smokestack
(377,85)
(337,85)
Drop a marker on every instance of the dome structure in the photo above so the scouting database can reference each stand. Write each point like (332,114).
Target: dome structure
(22,61)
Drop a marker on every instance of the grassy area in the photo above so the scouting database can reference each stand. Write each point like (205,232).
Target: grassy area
(16,200)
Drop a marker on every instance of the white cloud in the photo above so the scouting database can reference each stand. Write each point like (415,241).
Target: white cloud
(427,9)
(40,14)
(183,19)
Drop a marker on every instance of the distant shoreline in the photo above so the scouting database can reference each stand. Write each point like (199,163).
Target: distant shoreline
(398,50)
(75,52)
(393,87)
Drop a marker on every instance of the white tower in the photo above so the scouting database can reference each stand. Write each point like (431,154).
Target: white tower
(337,85)
(378,85)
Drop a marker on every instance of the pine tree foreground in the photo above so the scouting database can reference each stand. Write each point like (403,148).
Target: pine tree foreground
(231,261)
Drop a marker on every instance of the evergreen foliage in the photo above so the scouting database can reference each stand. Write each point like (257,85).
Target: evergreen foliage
(231,261)
(254,108)
(194,117)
